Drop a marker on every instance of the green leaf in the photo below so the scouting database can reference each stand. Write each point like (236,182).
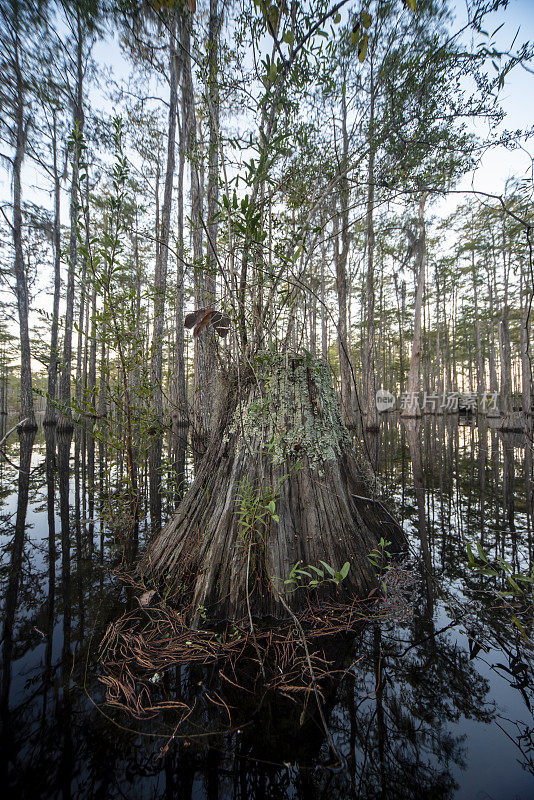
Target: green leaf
(272,506)
(328,568)
(319,572)
(303,572)
(337,19)
(288,38)
(481,553)
(344,571)
(519,625)
(273,18)
(366,19)
(514,585)
(470,555)
(362,48)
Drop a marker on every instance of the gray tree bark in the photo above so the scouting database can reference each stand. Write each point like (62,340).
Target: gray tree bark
(420,261)
(78,119)
(21,133)
(371,422)
(235,564)
(341,257)
(51,413)
(160,288)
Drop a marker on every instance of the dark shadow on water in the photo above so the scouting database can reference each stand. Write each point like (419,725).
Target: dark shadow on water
(422,703)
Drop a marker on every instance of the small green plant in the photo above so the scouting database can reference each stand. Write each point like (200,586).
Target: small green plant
(256,507)
(380,558)
(517,583)
(316,576)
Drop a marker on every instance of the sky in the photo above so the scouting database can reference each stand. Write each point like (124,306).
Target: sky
(499,164)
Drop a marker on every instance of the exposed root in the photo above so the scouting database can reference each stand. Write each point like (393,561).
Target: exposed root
(144,643)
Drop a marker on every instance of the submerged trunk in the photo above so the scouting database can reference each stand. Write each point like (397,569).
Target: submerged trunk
(279,484)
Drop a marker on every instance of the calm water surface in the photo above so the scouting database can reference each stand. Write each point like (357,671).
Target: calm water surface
(439,706)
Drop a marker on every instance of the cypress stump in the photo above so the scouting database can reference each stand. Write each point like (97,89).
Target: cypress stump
(280,484)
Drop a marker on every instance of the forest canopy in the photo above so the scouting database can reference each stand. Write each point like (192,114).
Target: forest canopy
(194,188)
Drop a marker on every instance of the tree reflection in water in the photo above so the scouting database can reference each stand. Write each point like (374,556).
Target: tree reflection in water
(404,716)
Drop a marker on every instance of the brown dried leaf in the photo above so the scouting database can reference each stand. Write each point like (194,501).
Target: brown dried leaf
(203,320)
(145,598)
(221,323)
(191,319)
(202,317)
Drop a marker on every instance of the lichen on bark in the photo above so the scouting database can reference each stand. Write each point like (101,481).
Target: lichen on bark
(294,409)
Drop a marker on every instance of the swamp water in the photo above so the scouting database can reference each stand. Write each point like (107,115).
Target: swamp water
(436,706)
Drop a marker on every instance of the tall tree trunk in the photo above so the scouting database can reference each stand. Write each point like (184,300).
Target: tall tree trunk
(369,358)
(341,258)
(205,284)
(65,415)
(213,153)
(481,378)
(526,367)
(91,392)
(180,393)
(160,288)
(494,385)
(505,358)
(50,413)
(324,325)
(21,133)
(412,387)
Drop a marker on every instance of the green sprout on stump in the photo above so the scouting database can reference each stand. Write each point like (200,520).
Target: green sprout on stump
(255,509)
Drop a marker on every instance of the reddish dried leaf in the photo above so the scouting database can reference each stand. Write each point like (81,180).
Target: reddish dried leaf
(202,317)
(203,320)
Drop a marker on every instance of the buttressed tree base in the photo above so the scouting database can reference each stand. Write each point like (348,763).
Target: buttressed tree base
(280,485)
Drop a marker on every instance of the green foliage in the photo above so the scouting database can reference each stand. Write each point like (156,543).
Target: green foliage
(380,558)
(518,584)
(315,575)
(256,507)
